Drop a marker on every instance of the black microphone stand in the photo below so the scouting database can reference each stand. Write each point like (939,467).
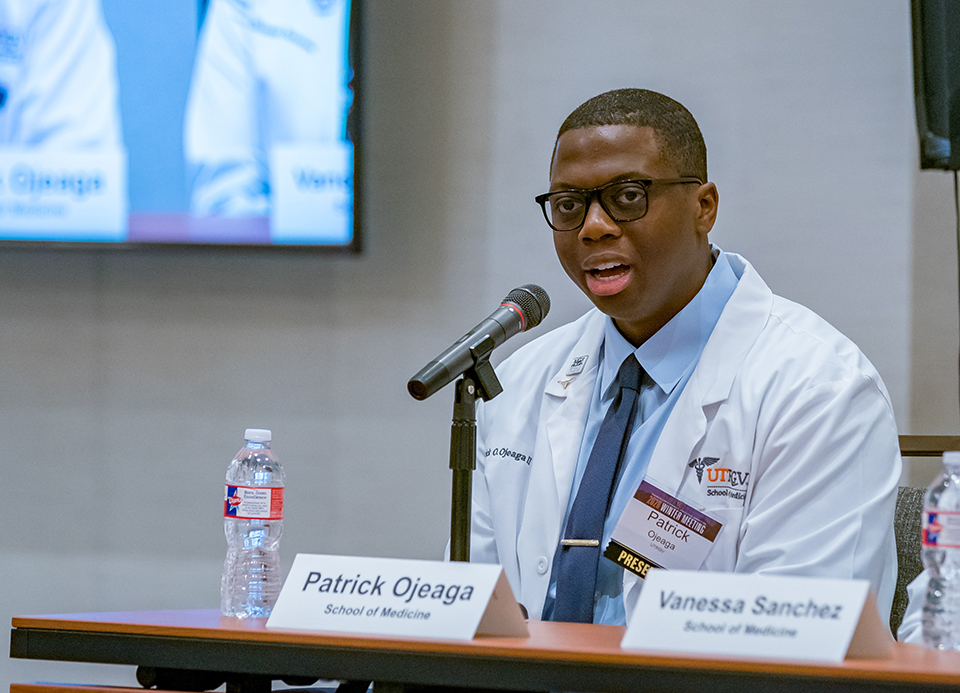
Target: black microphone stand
(478,382)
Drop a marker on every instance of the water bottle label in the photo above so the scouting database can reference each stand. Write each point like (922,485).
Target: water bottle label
(941,529)
(253,502)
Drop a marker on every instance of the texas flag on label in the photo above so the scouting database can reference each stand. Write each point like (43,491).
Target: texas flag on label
(253,502)
(941,529)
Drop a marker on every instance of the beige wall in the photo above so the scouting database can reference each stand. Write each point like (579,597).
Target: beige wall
(128,378)
(934,391)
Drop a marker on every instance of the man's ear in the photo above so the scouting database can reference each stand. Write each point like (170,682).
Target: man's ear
(707,200)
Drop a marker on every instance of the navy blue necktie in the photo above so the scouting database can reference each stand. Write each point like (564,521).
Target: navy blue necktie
(579,550)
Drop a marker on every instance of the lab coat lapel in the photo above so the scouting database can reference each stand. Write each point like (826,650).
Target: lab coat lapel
(564,407)
(570,394)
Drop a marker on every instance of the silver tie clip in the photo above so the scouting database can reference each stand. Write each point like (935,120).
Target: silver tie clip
(579,542)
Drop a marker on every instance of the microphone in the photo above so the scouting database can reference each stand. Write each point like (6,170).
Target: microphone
(523,308)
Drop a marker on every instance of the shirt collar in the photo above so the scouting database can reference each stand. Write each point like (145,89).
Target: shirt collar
(676,347)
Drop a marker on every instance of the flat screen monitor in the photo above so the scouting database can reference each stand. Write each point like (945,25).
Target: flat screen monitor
(220,123)
(936,81)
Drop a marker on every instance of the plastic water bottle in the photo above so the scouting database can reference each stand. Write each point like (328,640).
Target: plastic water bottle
(941,557)
(252,522)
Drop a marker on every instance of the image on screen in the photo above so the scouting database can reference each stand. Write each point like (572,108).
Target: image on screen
(218,122)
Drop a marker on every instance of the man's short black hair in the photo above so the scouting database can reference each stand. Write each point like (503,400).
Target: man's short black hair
(677,133)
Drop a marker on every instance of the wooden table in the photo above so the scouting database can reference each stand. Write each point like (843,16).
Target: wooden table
(557,656)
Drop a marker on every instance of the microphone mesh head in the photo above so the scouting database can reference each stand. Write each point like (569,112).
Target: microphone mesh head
(532,301)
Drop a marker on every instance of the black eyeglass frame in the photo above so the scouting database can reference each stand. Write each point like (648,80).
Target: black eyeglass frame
(596,194)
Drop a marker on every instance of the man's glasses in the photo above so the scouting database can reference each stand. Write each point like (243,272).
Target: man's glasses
(624,200)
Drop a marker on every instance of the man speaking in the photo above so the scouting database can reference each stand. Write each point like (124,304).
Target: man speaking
(690,382)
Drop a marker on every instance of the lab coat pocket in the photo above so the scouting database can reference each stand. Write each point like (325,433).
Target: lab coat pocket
(723,556)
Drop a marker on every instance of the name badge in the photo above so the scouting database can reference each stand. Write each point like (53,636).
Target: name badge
(657,530)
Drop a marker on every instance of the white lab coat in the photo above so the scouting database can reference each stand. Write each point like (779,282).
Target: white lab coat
(266,72)
(778,395)
(58,67)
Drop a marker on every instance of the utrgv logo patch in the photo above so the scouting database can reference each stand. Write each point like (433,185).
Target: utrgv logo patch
(721,481)
(700,463)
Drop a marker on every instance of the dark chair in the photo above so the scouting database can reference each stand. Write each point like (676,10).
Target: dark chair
(906,527)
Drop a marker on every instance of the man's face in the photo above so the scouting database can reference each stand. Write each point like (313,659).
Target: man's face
(640,273)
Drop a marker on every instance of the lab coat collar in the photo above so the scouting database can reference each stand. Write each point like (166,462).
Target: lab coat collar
(735,333)
(674,349)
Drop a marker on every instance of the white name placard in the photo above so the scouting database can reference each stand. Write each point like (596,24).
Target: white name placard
(311,191)
(47,194)
(813,619)
(389,596)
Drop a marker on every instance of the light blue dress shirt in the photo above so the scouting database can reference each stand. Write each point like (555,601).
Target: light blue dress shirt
(668,358)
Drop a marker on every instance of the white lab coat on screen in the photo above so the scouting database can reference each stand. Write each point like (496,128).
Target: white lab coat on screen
(266,72)
(58,69)
(778,395)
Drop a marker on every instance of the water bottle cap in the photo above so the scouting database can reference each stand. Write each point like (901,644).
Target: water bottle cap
(263,435)
(951,457)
